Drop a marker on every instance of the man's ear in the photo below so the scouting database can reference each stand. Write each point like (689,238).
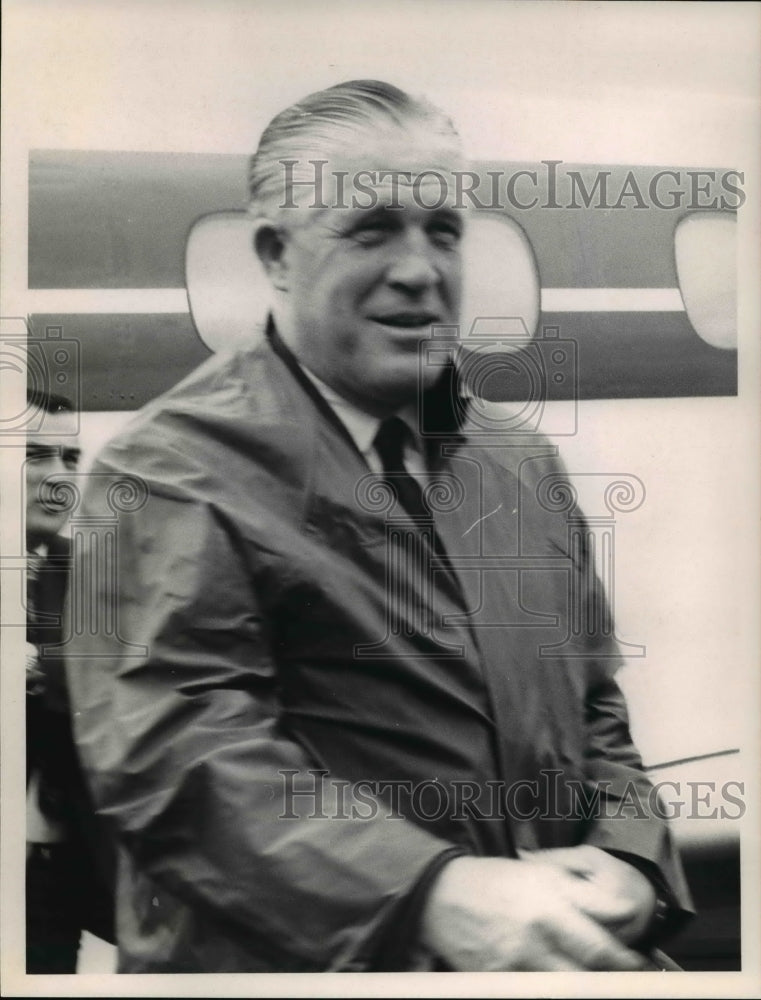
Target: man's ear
(270,245)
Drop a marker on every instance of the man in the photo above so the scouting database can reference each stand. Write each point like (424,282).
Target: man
(64,890)
(340,606)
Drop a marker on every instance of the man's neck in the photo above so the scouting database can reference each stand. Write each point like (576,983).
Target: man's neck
(443,405)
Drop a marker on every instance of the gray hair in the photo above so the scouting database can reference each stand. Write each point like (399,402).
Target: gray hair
(329,120)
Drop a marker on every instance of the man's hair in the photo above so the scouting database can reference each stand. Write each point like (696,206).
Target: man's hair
(332,119)
(48,402)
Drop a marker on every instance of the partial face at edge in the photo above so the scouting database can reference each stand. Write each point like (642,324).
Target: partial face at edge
(51,455)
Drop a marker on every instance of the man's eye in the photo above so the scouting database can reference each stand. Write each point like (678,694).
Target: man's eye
(445,235)
(370,235)
(40,454)
(69,456)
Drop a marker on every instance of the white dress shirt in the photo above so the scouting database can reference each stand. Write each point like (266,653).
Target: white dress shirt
(363,427)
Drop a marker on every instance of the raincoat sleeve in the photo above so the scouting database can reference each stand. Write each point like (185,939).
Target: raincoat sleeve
(178,722)
(628,820)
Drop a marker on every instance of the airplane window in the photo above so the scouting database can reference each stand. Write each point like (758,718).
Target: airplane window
(706,262)
(501,282)
(227,289)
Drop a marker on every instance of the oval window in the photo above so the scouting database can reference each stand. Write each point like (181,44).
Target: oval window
(228,291)
(705,245)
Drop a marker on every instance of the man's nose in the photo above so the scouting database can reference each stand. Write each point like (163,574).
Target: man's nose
(413,269)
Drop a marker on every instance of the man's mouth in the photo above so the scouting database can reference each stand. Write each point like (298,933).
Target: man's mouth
(407,320)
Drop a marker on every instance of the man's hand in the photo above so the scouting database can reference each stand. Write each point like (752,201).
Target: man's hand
(606,888)
(491,914)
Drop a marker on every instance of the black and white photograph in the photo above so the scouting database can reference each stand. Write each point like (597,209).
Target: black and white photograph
(380,442)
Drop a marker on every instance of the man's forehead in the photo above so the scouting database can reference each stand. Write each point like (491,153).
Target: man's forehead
(415,176)
(395,152)
(388,161)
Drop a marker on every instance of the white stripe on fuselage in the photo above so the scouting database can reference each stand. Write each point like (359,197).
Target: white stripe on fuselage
(89,301)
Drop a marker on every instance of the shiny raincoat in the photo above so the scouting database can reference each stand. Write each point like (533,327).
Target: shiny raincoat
(283,702)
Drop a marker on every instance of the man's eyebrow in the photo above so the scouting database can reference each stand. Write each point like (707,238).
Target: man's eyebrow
(367,216)
(385,210)
(379,210)
(448,212)
(53,449)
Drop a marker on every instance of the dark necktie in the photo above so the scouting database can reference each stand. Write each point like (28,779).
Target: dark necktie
(389,443)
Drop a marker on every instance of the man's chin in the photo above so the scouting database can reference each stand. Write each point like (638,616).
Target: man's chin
(400,383)
(407,388)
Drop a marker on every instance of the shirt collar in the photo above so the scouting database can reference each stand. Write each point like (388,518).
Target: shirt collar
(361,426)
(441,415)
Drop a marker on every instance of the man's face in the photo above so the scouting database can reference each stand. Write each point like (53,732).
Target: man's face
(51,455)
(365,284)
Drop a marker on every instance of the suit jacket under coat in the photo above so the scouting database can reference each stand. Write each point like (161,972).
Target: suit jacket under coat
(62,794)
(47,723)
(257,586)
